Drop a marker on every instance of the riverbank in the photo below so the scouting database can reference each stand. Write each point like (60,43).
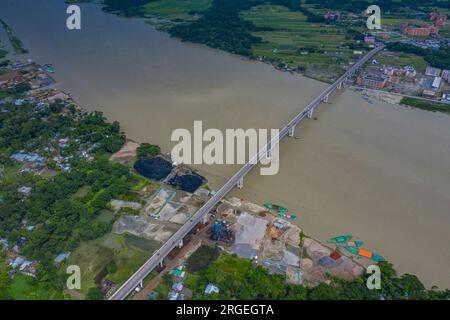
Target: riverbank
(372,170)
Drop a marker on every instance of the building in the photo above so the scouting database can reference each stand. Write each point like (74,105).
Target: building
(446,75)
(24,190)
(446,96)
(429,93)
(436,83)
(439,19)
(433,72)
(423,31)
(177,286)
(369,39)
(61,257)
(210,288)
(372,81)
(27,157)
(410,72)
(329,15)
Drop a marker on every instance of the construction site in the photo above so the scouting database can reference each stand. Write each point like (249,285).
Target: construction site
(255,232)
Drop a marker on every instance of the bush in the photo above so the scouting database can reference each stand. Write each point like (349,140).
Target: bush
(94,293)
(202,258)
(146,150)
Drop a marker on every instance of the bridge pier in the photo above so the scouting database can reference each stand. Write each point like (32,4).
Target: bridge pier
(341,84)
(310,114)
(180,245)
(141,284)
(205,219)
(240,183)
(291,132)
(326,98)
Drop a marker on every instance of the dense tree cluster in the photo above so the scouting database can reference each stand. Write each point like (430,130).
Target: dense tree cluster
(125,7)
(238,279)
(221,27)
(146,150)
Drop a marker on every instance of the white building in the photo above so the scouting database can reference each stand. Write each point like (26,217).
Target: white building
(437,82)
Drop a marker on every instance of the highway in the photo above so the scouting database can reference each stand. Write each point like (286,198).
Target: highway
(129,285)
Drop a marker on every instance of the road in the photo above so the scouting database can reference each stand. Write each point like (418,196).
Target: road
(134,281)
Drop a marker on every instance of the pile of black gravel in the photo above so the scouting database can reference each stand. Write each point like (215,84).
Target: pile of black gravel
(188,182)
(155,168)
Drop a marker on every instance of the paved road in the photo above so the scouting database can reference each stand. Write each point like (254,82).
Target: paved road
(178,236)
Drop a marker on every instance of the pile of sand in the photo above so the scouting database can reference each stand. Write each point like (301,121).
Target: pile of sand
(126,153)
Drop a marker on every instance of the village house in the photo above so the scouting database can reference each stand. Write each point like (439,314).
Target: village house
(438,18)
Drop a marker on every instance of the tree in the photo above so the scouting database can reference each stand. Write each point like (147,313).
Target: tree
(146,150)
(111,267)
(94,293)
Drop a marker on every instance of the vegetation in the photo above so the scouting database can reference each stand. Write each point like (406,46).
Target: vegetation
(3,54)
(436,58)
(126,8)
(202,258)
(237,278)
(221,27)
(356,6)
(15,42)
(146,150)
(64,207)
(176,10)
(425,105)
(94,293)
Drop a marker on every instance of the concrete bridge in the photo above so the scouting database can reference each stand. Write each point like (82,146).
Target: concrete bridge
(236,180)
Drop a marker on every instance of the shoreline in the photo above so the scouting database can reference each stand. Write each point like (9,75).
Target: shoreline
(251,189)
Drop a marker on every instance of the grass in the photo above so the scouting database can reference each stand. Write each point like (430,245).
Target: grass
(176,9)
(202,258)
(27,288)
(142,182)
(83,191)
(105,216)
(291,34)
(426,105)
(128,252)
(395,22)
(404,59)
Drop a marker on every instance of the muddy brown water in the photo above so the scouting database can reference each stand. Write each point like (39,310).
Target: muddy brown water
(378,172)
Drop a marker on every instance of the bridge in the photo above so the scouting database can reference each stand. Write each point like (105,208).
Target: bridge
(236,180)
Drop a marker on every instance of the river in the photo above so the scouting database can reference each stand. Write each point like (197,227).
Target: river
(379,172)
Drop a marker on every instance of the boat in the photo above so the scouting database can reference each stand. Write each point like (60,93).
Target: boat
(49,68)
(364,253)
(340,239)
(275,207)
(351,243)
(355,243)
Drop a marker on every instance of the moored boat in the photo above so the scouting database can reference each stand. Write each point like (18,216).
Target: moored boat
(340,239)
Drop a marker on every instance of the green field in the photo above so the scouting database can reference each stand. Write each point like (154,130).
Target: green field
(291,35)
(27,288)
(176,9)
(404,59)
(128,252)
